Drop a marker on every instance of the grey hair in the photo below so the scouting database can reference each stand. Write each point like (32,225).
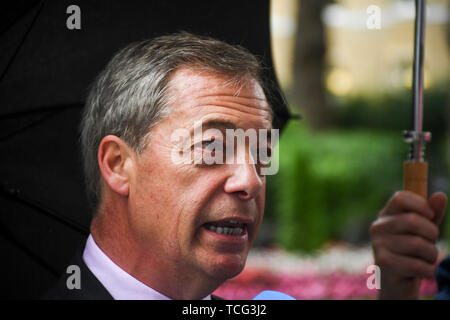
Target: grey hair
(129,96)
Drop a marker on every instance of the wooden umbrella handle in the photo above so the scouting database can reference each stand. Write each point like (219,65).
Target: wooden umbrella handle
(415,177)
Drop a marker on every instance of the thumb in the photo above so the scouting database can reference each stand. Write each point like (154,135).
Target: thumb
(438,202)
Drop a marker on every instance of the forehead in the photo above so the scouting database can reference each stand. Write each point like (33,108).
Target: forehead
(197,95)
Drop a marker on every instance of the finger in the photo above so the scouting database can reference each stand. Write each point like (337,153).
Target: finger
(408,223)
(438,202)
(412,246)
(403,265)
(406,201)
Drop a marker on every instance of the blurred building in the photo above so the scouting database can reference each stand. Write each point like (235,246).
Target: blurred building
(363,56)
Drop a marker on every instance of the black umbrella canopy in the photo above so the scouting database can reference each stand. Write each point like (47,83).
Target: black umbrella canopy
(45,72)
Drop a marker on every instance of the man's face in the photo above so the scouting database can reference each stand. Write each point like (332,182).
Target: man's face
(176,209)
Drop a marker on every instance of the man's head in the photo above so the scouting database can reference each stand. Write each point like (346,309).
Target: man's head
(156,216)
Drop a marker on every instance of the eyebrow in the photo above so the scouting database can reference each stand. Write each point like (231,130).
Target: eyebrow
(221,124)
(215,124)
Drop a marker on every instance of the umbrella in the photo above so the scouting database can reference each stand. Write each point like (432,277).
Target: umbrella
(45,71)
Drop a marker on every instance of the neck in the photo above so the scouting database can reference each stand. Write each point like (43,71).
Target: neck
(113,234)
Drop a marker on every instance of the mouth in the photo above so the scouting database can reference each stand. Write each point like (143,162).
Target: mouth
(232,227)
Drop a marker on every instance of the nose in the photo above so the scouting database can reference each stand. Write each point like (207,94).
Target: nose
(244,181)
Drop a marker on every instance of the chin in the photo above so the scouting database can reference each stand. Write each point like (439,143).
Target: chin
(226,267)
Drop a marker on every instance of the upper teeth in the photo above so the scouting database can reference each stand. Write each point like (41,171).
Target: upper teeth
(226,230)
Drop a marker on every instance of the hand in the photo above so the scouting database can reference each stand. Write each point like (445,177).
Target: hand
(403,242)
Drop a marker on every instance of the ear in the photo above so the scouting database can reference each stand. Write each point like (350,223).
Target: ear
(116,162)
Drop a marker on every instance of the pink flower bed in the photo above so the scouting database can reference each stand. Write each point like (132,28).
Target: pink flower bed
(335,285)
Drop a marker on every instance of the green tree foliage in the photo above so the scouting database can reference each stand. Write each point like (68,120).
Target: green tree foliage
(332,184)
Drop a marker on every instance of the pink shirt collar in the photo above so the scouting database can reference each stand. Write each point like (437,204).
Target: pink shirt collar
(120,284)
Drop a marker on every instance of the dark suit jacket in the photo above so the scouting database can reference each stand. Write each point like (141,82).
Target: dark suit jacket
(91,287)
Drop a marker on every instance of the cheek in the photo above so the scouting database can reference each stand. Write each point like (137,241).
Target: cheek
(260,203)
(163,203)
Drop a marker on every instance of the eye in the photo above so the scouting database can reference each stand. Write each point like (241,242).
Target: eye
(263,158)
(263,161)
(204,144)
(209,145)
(209,152)
(266,157)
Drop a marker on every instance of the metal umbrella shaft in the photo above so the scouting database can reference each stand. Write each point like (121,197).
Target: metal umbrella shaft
(418,66)
(416,168)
